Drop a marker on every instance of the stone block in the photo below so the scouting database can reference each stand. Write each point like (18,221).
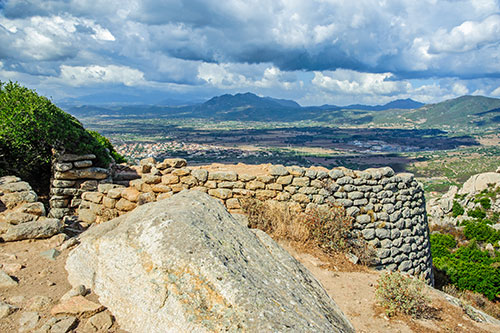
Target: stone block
(169,179)
(130,194)
(161,188)
(125,205)
(115,193)
(189,180)
(223,176)
(246,178)
(265,194)
(221,193)
(274,186)
(82,164)
(63,183)
(95,197)
(181,172)
(151,179)
(200,174)
(284,180)
(108,202)
(255,185)
(86,173)
(278,170)
(301,198)
(265,179)
(296,171)
(233,203)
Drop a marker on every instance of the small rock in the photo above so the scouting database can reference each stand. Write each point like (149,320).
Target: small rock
(6,309)
(100,322)
(46,327)
(69,243)
(58,239)
(77,305)
(51,254)
(79,290)
(28,321)
(352,258)
(12,268)
(31,230)
(38,303)
(6,281)
(17,299)
(64,325)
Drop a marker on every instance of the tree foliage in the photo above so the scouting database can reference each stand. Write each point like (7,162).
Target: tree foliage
(31,126)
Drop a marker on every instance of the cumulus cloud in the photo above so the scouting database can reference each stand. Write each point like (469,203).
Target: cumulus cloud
(91,75)
(366,50)
(467,36)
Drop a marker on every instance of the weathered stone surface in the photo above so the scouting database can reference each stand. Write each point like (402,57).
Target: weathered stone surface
(28,321)
(200,174)
(131,194)
(76,305)
(100,322)
(35,208)
(82,164)
(19,217)
(171,163)
(6,281)
(94,197)
(78,290)
(72,157)
(64,325)
(221,193)
(87,173)
(278,170)
(125,205)
(223,176)
(38,303)
(479,182)
(6,310)
(38,229)
(188,265)
(16,187)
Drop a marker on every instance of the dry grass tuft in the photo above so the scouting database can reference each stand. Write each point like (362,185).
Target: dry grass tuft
(476,300)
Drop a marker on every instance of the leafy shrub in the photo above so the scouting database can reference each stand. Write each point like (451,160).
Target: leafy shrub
(441,244)
(484,202)
(457,209)
(399,293)
(470,268)
(476,213)
(480,231)
(30,127)
(107,144)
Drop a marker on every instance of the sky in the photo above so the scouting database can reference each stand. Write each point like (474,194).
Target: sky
(314,52)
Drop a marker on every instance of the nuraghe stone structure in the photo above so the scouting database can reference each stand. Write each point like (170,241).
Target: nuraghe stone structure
(389,208)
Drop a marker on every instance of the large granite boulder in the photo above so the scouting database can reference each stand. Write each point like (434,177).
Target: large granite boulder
(184,264)
(479,182)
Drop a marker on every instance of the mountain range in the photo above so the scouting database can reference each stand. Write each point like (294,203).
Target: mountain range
(463,111)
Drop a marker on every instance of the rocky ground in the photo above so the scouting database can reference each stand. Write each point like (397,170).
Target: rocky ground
(35,295)
(34,301)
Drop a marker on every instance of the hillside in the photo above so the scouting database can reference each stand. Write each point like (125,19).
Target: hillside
(466,112)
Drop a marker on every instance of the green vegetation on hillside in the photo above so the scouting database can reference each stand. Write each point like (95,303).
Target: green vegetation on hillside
(459,256)
(31,127)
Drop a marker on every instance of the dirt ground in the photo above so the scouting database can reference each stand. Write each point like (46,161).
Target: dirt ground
(351,286)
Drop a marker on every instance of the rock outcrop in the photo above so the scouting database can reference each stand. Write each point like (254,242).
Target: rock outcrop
(184,264)
(479,182)
(21,216)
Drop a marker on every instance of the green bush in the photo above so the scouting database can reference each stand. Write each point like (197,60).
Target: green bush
(107,144)
(485,202)
(476,213)
(31,126)
(441,244)
(399,293)
(480,231)
(457,209)
(470,268)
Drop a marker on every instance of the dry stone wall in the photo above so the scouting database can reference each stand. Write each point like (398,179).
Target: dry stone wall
(72,176)
(389,208)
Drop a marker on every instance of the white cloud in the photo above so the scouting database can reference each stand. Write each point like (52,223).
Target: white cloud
(356,83)
(496,92)
(460,89)
(467,36)
(91,75)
